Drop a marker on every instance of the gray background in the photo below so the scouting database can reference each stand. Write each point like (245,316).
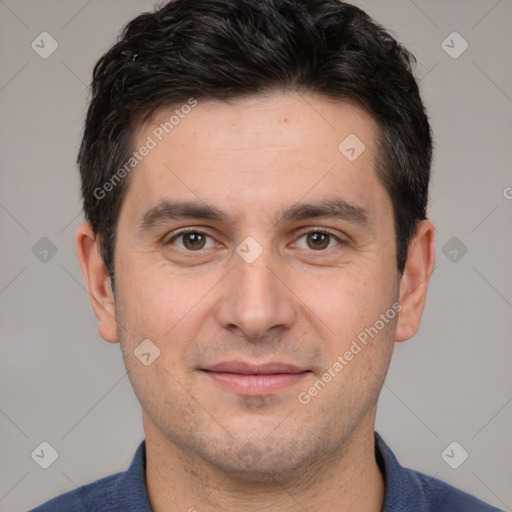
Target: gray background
(61,383)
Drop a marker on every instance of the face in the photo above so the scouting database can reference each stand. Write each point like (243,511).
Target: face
(261,307)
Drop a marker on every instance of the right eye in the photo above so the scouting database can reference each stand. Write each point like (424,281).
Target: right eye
(192,240)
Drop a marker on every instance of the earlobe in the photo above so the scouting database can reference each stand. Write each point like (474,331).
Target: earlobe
(415,280)
(98,281)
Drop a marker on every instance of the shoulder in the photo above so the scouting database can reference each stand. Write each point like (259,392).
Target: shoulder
(125,491)
(98,496)
(443,497)
(407,489)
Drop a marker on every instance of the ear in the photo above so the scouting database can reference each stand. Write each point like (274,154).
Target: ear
(98,281)
(415,279)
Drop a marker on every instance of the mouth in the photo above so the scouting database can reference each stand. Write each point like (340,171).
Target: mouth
(255,379)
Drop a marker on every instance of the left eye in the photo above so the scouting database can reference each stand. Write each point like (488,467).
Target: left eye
(318,240)
(192,240)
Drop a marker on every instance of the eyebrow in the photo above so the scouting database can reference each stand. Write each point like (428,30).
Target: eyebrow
(335,208)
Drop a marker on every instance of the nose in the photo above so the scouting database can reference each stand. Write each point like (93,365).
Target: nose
(256,301)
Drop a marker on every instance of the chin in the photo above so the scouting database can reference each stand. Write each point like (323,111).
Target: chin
(262,461)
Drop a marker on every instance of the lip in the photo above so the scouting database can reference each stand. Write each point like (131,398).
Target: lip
(255,379)
(243,368)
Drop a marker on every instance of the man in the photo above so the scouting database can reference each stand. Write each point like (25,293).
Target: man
(255,181)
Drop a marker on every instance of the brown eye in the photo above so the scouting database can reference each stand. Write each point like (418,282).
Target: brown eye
(317,240)
(191,240)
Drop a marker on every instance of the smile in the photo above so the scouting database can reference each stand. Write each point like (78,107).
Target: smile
(255,380)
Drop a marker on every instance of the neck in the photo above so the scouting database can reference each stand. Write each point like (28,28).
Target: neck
(348,479)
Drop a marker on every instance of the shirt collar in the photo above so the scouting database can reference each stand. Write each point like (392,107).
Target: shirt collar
(131,493)
(404,491)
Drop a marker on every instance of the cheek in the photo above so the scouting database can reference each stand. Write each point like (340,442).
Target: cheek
(157,303)
(357,342)
(346,302)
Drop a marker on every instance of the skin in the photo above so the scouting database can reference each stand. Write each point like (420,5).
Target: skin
(253,158)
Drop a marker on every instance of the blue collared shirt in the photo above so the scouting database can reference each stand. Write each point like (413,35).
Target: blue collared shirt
(406,490)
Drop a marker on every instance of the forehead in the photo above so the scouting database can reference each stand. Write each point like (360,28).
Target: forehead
(262,125)
(257,154)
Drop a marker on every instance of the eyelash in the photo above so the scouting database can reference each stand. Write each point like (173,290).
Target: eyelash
(199,232)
